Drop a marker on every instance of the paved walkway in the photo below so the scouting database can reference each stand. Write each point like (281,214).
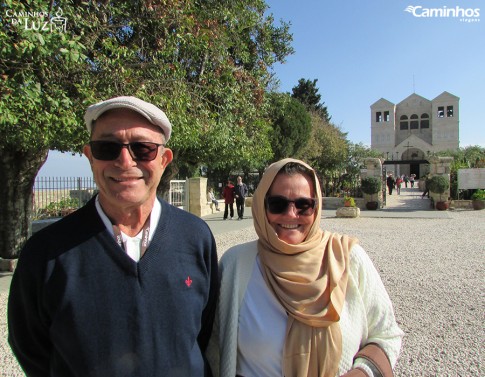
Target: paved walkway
(407,205)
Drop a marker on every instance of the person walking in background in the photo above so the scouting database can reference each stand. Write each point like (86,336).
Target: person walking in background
(228,195)
(398,185)
(406,180)
(390,183)
(412,177)
(300,301)
(240,193)
(213,199)
(128,284)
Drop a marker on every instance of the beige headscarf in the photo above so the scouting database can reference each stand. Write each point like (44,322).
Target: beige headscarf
(309,280)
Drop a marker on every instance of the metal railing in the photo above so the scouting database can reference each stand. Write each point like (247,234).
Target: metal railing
(58,196)
(177,195)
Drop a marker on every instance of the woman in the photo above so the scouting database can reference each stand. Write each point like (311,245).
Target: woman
(300,301)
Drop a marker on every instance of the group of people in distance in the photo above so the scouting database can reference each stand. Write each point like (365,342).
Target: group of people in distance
(131,286)
(396,183)
(232,194)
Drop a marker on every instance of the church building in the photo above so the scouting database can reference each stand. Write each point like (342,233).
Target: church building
(407,133)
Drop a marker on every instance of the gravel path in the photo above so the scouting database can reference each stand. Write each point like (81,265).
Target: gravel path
(434,272)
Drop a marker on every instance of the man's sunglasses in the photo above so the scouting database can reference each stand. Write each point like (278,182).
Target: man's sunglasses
(279,204)
(110,150)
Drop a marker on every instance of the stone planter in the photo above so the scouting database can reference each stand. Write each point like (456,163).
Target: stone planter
(478,204)
(351,212)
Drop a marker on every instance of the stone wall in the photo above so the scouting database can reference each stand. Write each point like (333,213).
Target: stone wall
(373,169)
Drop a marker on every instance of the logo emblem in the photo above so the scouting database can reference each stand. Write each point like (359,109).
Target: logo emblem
(188,281)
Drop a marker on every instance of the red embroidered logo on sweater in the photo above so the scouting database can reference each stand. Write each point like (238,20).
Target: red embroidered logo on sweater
(188,281)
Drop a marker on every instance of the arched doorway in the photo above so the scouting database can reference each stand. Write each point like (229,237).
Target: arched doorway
(414,158)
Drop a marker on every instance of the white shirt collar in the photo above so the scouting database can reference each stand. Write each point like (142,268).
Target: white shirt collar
(154,218)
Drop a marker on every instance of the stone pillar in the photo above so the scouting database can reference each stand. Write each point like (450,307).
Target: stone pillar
(198,197)
(440,166)
(374,169)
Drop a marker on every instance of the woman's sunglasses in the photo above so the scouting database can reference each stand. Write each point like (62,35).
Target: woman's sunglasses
(110,150)
(279,204)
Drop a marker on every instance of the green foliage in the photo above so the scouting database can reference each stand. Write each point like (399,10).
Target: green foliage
(357,153)
(291,126)
(370,185)
(59,208)
(307,93)
(438,184)
(349,201)
(478,195)
(205,63)
(327,149)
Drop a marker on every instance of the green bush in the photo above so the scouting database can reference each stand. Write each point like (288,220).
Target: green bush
(438,184)
(478,195)
(370,185)
(58,209)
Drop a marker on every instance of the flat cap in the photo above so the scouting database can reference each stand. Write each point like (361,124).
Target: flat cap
(154,115)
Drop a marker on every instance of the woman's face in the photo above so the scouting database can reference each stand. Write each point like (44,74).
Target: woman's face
(290,226)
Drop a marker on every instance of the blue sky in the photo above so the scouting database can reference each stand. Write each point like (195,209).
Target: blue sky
(361,51)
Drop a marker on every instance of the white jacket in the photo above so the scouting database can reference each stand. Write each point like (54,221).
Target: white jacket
(367,316)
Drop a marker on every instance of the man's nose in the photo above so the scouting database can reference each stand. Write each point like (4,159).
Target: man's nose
(125,159)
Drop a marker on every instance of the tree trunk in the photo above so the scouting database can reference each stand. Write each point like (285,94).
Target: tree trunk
(18,170)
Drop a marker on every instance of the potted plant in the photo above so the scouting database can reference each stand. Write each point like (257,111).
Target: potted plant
(371,186)
(349,201)
(478,199)
(439,184)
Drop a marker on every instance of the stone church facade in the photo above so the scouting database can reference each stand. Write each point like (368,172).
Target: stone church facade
(409,132)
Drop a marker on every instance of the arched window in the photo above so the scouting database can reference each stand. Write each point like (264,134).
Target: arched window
(404,122)
(414,122)
(424,120)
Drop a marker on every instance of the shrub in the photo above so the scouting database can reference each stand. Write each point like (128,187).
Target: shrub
(59,208)
(438,184)
(478,195)
(371,185)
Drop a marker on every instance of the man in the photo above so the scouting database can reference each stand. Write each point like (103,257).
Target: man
(390,183)
(127,285)
(240,193)
(228,195)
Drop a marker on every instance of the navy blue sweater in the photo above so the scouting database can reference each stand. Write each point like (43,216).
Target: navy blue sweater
(79,306)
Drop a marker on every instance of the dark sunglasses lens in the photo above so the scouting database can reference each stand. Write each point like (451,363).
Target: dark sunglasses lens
(144,151)
(105,150)
(277,204)
(110,150)
(305,206)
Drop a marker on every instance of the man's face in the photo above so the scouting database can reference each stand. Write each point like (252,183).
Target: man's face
(124,182)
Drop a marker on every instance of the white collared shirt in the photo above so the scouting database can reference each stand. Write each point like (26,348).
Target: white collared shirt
(132,244)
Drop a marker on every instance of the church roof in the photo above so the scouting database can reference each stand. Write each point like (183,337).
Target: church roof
(382,103)
(446,95)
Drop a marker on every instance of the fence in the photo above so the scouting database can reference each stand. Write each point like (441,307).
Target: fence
(177,195)
(56,197)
